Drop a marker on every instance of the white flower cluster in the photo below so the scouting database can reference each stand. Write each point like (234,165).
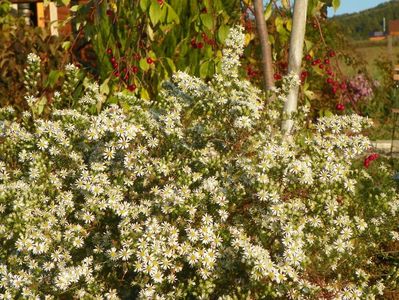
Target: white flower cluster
(31,75)
(195,196)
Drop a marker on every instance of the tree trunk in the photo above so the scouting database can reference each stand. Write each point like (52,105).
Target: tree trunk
(267,66)
(295,59)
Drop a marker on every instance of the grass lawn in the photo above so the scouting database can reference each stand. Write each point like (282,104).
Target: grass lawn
(370,52)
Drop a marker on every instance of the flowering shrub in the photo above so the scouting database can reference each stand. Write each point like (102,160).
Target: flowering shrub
(198,195)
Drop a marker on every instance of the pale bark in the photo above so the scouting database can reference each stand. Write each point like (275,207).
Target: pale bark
(295,58)
(267,62)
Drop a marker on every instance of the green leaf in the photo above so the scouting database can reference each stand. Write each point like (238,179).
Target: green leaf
(155,13)
(144,94)
(204,69)
(207,21)
(336,4)
(53,78)
(308,45)
(171,15)
(286,4)
(268,11)
(41,104)
(171,64)
(144,65)
(150,32)
(74,8)
(66,45)
(223,33)
(144,4)
(104,88)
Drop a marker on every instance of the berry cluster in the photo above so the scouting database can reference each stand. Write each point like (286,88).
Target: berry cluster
(369,159)
(252,73)
(205,40)
(125,72)
(335,86)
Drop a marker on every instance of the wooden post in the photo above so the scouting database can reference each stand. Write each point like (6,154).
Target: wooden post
(295,59)
(390,49)
(40,14)
(53,18)
(267,61)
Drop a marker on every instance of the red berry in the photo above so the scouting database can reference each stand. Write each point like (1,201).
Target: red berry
(330,80)
(304,74)
(137,56)
(149,60)
(160,2)
(343,86)
(327,61)
(277,76)
(331,53)
(135,70)
(316,62)
(340,107)
(210,42)
(321,66)
(113,60)
(116,73)
(334,89)
(132,87)
(115,65)
(109,12)
(308,57)
(200,45)
(109,51)
(366,163)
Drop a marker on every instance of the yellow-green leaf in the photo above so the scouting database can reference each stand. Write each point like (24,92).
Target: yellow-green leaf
(155,12)
(336,4)
(268,11)
(144,4)
(223,33)
(144,65)
(144,94)
(207,21)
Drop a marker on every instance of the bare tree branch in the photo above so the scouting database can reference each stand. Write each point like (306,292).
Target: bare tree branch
(267,62)
(295,58)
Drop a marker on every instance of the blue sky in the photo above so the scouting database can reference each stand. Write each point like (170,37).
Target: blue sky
(350,6)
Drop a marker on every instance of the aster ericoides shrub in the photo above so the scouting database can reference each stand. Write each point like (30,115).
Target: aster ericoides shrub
(197,195)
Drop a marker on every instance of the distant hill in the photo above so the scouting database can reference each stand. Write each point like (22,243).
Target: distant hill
(359,25)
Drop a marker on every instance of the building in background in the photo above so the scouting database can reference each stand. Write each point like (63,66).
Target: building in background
(393,28)
(38,14)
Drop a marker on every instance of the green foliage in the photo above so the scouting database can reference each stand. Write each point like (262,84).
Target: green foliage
(175,34)
(16,41)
